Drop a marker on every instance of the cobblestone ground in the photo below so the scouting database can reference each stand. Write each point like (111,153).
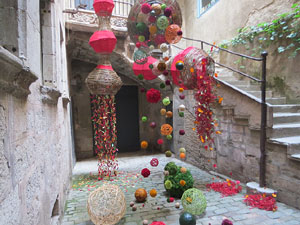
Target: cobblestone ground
(158,209)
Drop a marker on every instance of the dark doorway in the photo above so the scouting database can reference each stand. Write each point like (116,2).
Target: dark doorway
(128,119)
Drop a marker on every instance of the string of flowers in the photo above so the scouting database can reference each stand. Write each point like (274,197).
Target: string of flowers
(205,97)
(105,135)
(261,201)
(226,188)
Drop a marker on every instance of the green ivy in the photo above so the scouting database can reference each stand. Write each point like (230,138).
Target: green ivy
(285,27)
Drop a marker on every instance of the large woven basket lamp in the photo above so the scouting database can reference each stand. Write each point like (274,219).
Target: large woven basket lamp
(103,83)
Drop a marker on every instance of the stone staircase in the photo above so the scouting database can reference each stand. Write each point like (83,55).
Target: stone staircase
(285,118)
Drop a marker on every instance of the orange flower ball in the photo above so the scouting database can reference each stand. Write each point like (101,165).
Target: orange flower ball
(140,195)
(182,182)
(153,193)
(166,129)
(144,144)
(181,90)
(152,29)
(182,155)
(169,114)
(163,112)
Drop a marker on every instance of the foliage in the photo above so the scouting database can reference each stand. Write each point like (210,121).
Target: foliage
(171,168)
(284,29)
(177,190)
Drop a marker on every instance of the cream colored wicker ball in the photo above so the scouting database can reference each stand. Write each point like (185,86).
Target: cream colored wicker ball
(106,205)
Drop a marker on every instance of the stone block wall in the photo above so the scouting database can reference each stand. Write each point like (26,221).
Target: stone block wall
(237,149)
(35,137)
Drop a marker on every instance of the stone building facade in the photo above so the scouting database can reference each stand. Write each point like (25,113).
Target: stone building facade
(35,127)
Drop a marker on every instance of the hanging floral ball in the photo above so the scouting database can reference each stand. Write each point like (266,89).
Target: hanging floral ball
(169,114)
(182,150)
(163,6)
(187,219)
(159,39)
(168,153)
(166,129)
(164,47)
(142,90)
(153,29)
(144,119)
(140,195)
(168,12)
(153,193)
(145,222)
(166,101)
(182,182)
(154,162)
(169,137)
(179,65)
(161,66)
(141,27)
(158,223)
(226,222)
(160,141)
(141,77)
(181,89)
(181,132)
(151,66)
(182,155)
(152,19)
(181,114)
(181,108)
(157,8)
(171,199)
(162,85)
(145,172)
(141,38)
(168,82)
(182,96)
(162,22)
(171,34)
(168,184)
(146,8)
(153,95)
(183,170)
(138,44)
(163,112)
(144,144)
(166,73)
(152,124)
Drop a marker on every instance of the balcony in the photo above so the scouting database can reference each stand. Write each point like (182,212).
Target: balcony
(81,16)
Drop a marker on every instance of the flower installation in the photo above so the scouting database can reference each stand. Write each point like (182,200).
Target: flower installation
(227,188)
(261,201)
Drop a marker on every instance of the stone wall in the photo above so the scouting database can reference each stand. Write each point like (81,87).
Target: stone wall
(237,149)
(35,141)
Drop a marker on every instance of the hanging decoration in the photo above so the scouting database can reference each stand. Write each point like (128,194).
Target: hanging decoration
(153,95)
(166,129)
(144,69)
(154,162)
(103,83)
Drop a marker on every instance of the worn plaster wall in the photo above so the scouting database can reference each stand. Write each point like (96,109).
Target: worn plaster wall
(35,141)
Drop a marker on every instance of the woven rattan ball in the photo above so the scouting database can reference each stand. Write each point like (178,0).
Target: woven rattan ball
(106,205)
(193,201)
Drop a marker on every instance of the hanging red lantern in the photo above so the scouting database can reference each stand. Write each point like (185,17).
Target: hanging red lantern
(103,7)
(144,69)
(103,41)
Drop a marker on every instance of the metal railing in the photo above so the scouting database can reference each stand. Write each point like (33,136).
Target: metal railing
(262,81)
(122,8)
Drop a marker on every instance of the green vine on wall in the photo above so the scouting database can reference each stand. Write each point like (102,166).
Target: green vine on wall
(284,29)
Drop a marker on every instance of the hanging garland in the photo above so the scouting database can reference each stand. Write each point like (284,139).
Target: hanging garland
(105,134)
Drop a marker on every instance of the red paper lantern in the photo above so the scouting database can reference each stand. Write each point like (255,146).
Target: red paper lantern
(153,95)
(103,41)
(103,7)
(144,69)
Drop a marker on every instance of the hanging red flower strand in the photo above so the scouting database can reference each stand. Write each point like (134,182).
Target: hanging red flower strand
(105,134)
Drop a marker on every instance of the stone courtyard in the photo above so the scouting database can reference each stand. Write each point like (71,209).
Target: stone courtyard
(158,209)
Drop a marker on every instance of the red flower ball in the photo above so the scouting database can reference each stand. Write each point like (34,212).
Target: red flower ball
(227,222)
(143,90)
(154,162)
(182,132)
(168,82)
(152,19)
(158,223)
(145,172)
(182,97)
(146,8)
(153,95)
(166,73)
(168,12)
(160,141)
(152,124)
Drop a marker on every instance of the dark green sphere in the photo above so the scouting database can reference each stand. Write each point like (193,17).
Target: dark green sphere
(187,219)
(162,85)
(141,27)
(179,66)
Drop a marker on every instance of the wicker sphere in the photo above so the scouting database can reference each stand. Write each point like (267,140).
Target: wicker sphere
(156,16)
(193,201)
(189,66)
(106,205)
(103,82)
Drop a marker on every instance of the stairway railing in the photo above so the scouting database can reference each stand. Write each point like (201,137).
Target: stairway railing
(262,81)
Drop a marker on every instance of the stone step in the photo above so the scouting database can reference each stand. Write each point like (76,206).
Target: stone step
(287,140)
(249,87)
(285,130)
(258,94)
(286,118)
(238,82)
(276,100)
(295,157)
(286,108)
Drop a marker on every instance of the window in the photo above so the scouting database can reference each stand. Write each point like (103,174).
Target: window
(204,5)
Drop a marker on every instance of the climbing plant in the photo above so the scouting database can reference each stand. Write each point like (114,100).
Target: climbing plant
(283,30)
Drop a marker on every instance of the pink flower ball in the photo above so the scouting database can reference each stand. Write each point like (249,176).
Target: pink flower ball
(146,8)
(160,141)
(182,132)
(168,12)
(152,19)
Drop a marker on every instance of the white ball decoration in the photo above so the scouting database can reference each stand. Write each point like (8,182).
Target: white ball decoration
(145,222)
(164,47)
(106,205)
(181,108)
